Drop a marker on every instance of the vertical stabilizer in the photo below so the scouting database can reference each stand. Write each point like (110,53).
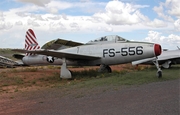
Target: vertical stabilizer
(31,41)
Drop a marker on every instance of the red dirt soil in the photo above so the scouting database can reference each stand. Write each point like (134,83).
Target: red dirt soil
(33,78)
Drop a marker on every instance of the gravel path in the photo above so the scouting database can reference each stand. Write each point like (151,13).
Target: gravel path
(160,98)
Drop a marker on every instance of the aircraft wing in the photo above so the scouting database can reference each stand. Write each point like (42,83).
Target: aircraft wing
(163,57)
(18,56)
(57,44)
(168,57)
(59,54)
(67,42)
(6,62)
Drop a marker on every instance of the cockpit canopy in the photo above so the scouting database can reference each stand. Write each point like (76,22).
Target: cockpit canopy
(107,39)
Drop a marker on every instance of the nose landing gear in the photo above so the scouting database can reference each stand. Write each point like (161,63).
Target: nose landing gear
(159,72)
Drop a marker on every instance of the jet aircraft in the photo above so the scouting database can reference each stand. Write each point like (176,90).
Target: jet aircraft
(104,51)
(166,59)
(6,62)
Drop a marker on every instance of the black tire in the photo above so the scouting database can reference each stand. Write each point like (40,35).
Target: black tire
(108,69)
(159,74)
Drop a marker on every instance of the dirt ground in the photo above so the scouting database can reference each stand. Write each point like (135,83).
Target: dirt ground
(151,99)
(32,78)
(160,98)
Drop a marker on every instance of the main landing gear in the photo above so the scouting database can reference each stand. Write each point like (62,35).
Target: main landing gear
(105,68)
(159,72)
(65,73)
(167,64)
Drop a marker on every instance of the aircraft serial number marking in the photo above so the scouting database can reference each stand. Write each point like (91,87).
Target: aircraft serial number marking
(125,51)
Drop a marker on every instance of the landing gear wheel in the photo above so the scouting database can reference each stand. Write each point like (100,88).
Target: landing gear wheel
(159,74)
(108,69)
(72,77)
(105,69)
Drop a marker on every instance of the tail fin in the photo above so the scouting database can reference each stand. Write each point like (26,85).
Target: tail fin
(31,41)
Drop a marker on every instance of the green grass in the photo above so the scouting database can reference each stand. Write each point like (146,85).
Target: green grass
(91,81)
(135,77)
(87,79)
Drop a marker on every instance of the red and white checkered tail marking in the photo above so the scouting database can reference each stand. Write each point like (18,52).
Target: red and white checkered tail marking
(31,41)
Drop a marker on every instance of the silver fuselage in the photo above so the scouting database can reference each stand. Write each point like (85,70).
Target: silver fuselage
(109,53)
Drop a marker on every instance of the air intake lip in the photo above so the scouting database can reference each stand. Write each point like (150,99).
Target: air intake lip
(157,49)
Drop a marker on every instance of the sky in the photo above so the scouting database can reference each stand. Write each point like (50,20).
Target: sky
(156,21)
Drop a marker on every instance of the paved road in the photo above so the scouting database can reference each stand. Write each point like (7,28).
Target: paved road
(160,98)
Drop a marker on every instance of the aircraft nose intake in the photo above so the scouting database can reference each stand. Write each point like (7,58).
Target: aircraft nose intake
(157,49)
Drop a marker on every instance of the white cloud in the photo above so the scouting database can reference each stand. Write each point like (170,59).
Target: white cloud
(119,13)
(84,0)
(1,16)
(37,17)
(160,11)
(154,36)
(106,29)
(174,39)
(173,7)
(57,27)
(36,2)
(86,6)
(170,41)
(168,10)
(5,25)
(53,10)
(74,26)
(156,23)
(21,14)
(52,17)
(177,25)
(33,23)
(18,23)
(64,16)
(54,6)
(116,13)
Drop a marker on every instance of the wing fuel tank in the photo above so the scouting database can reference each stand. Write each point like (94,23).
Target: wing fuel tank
(41,60)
